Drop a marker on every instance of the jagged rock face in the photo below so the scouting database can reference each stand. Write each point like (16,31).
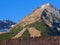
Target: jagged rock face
(51,16)
(5,25)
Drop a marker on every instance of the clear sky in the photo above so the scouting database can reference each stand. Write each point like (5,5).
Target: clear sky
(15,10)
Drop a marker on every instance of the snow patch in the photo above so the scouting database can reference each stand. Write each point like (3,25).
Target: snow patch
(45,5)
(12,25)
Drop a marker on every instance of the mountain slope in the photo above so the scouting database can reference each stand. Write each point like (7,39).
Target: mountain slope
(44,21)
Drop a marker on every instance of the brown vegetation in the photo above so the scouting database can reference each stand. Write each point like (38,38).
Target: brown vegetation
(53,40)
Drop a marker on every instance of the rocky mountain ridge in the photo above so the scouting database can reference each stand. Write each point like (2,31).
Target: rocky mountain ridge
(5,25)
(50,12)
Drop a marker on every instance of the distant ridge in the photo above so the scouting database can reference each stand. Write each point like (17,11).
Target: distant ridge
(5,25)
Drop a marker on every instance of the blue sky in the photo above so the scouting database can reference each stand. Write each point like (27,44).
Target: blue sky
(15,10)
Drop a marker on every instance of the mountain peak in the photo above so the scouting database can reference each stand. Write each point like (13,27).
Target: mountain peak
(45,5)
(48,4)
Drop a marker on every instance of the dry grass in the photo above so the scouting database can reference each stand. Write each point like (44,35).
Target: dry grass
(34,32)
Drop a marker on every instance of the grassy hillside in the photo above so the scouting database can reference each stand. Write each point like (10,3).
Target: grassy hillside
(43,28)
(10,34)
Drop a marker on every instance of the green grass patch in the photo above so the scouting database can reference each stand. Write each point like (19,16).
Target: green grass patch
(10,34)
(26,34)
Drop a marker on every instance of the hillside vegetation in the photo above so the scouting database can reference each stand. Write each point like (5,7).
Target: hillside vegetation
(10,34)
(43,28)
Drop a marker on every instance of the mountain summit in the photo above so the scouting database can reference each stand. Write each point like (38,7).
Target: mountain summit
(44,21)
(45,5)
